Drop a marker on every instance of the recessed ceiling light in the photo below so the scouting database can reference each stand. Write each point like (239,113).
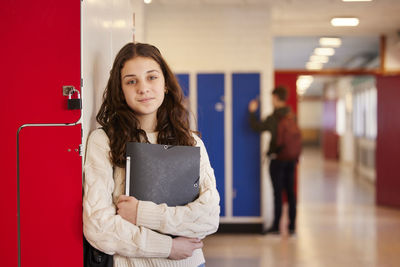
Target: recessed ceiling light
(324,51)
(345,22)
(330,41)
(147,1)
(313,66)
(320,59)
(357,0)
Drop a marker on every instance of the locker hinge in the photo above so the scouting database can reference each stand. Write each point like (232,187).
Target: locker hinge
(80,150)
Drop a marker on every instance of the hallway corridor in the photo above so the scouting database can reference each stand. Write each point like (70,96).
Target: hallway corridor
(337,225)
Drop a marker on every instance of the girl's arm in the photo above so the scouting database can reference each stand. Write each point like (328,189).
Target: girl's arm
(102,227)
(197,219)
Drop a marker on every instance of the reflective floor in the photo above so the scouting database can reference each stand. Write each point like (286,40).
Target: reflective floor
(338,224)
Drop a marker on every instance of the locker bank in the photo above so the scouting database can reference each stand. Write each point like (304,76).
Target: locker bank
(56,58)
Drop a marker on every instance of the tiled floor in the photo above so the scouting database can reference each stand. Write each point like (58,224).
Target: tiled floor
(337,225)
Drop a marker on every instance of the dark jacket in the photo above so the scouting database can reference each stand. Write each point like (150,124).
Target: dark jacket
(269,124)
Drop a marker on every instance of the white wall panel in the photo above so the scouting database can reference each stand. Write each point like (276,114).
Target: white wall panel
(310,114)
(106,27)
(346,141)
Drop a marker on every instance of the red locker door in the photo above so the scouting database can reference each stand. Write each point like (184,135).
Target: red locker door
(387,142)
(329,135)
(40,53)
(50,182)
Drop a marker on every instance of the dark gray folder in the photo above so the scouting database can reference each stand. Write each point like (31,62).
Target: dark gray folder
(162,173)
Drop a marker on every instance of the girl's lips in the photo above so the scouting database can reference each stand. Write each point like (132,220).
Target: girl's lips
(144,100)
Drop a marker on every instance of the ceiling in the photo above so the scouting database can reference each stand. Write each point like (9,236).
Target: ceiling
(312,17)
(297,26)
(292,52)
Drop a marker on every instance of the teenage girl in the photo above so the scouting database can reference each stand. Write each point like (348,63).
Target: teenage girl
(143,103)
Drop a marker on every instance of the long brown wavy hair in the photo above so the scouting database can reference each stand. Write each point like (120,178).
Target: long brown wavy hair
(119,121)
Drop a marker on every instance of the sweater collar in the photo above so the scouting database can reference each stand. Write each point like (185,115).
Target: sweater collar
(152,137)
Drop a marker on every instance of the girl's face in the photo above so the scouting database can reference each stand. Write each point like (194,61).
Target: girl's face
(143,85)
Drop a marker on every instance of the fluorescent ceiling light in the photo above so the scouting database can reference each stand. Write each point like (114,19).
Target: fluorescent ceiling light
(320,59)
(357,0)
(147,1)
(303,83)
(313,66)
(345,22)
(324,51)
(330,41)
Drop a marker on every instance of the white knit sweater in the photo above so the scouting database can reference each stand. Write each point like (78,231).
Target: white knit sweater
(143,244)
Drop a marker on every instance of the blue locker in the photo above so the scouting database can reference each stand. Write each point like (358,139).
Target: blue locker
(183,80)
(210,94)
(246,147)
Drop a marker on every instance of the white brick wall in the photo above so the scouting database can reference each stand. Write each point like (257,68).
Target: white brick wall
(223,38)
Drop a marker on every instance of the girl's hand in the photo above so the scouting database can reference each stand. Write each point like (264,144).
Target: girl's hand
(127,207)
(183,247)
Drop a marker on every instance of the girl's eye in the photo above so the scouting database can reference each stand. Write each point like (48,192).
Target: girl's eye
(132,82)
(153,77)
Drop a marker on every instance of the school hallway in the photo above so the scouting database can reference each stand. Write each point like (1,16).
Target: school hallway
(338,224)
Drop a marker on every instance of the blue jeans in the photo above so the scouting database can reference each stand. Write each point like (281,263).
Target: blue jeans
(202,265)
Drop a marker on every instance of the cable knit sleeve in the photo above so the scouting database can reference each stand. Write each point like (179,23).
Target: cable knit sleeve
(197,219)
(103,228)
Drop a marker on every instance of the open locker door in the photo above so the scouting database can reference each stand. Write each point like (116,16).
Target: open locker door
(41,190)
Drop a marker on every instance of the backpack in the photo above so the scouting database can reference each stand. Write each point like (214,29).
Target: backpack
(289,141)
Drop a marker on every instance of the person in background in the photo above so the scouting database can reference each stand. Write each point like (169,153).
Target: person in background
(281,169)
(143,103)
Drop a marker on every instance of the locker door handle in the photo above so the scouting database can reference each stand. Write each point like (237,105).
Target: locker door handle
(219,106)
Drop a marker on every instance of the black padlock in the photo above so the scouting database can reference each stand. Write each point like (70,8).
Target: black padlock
(74,103)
